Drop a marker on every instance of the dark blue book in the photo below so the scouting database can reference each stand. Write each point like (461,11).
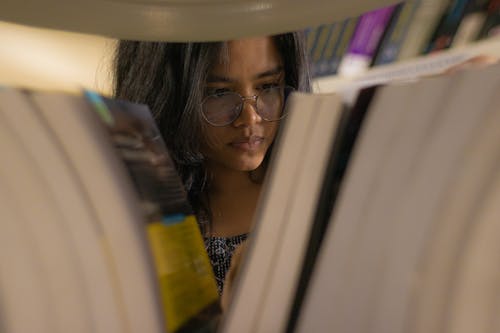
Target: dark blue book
(442,37)
(396,33)
(327,44)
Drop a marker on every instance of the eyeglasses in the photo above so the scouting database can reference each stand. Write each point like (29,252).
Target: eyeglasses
(224,108)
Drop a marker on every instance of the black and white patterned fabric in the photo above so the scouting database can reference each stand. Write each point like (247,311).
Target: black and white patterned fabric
(220,251)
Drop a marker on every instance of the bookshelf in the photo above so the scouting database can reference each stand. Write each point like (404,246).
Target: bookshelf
(407,31)
(172,21)
(424,65)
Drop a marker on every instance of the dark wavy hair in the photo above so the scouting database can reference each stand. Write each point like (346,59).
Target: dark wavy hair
(170,78)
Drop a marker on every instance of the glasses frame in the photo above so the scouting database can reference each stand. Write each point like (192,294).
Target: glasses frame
(253,98)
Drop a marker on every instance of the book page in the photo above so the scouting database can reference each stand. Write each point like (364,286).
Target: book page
(55,256)
(109,191)
(79,227)
(270,220)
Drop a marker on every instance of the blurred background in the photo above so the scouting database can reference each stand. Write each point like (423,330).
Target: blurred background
(51,59)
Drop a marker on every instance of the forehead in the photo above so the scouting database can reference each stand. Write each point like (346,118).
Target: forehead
(246,57)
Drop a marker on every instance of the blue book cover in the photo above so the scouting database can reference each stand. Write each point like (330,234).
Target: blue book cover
(327,44)
(396,33)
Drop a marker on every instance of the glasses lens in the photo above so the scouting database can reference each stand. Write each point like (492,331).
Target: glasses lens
(221,109)
(271,102)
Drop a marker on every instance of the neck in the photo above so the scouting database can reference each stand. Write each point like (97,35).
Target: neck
(233,198)
(230,181)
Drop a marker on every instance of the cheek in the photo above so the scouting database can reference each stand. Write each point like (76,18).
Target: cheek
(212,139)
(271,130)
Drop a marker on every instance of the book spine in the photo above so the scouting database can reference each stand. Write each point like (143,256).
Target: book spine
(340,48)
(424,23)
(325,66)
(364,43)
(322,41)
(396,33)
(471,23)
(310,35)
(442,37)
(491,26)
(327,51)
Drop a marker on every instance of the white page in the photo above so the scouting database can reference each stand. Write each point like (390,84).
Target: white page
(400,162)
(455,223)
(381,271)
(25,301)
(370,180)
(298,221)
(465,107)
(107,186)
(56,258)
(261,256)
(475,302)
(80,222)
(365,161)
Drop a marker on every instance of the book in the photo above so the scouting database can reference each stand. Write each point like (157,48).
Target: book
(458,216)
(445,31)
(395,34)
(319,39)
(102,220)
(491,23)
(76,225)
(350,122)
(371,163)
(24,199)
(420,32)
(288,187)
(187,284)
(377,270)
(365,40)
(326,53)
(87,148)
(471,23)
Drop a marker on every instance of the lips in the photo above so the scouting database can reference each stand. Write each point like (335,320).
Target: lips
(247,143)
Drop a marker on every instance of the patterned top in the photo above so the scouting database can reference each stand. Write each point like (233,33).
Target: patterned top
(220,251)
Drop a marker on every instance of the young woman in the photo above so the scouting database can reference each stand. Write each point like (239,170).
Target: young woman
(219,107)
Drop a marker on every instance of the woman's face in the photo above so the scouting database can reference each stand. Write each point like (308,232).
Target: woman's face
(252,65)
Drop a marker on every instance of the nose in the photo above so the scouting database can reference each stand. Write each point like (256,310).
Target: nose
(248,115)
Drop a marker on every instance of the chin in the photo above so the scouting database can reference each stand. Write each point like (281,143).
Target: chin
(248,165)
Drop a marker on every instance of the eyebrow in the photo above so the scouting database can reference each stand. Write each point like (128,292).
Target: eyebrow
(271,72)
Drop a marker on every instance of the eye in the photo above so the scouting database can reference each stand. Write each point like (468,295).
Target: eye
(216,91)
(269,85)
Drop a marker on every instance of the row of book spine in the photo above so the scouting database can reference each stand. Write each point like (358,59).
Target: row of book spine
(399,32)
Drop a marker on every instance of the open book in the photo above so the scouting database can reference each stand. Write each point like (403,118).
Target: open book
(97,233)
(379,215)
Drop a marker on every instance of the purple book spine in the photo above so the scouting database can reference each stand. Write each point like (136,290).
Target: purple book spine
(369,31)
